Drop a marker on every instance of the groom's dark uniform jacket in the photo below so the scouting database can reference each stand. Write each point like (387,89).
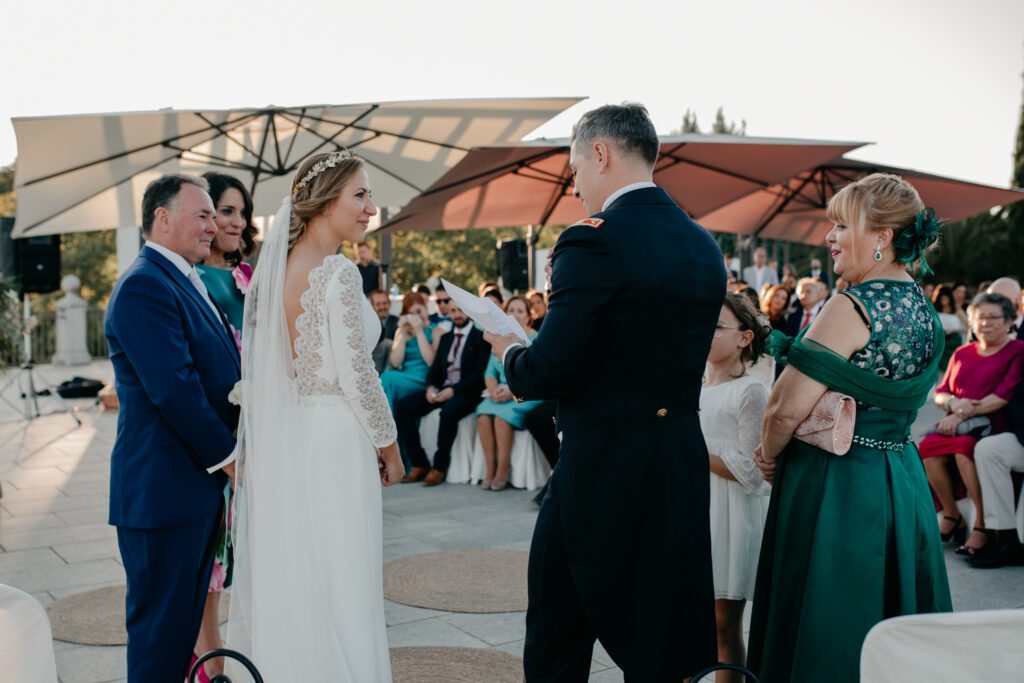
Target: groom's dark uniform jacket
(622,550)
(175,362)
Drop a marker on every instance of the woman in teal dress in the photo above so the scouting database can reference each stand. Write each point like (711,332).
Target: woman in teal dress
(224,272)
(226,277)
(498,415)
(851,540)
(412,351)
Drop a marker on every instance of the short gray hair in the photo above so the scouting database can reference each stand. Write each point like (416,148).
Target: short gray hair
(1007,306)
(628,125)
(162,191)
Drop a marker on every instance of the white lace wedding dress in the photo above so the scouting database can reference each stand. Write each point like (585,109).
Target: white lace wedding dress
(308,538)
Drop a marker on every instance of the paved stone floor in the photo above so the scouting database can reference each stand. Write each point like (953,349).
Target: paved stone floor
(54,540)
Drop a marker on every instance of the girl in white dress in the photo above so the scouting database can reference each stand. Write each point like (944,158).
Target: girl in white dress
(316,441)
(732,405)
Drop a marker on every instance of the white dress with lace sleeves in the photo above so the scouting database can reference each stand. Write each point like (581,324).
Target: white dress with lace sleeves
(354,329)
(730,417)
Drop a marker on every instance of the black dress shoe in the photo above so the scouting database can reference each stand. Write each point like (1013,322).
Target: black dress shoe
(1001,554)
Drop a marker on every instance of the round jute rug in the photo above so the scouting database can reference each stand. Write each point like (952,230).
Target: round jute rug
(96,617)
(476,581)
(454,665)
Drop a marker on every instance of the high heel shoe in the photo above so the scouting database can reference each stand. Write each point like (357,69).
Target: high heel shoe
(958,534)
(499,485)
(968,550)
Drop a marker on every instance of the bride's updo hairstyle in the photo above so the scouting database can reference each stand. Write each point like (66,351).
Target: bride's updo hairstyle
(885,200)
(318,182)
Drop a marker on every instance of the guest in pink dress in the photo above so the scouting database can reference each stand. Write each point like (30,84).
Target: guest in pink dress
(980,380)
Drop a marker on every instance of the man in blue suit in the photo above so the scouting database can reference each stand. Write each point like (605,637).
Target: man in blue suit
(622,547)
(175,362)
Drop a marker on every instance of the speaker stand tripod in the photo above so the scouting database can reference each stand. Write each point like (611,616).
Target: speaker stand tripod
(29,380)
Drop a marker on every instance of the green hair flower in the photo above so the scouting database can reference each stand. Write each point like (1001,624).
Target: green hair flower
(917,237)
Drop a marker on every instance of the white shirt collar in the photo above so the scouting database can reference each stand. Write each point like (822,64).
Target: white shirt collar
(623,190)
(465,329)
(177,259)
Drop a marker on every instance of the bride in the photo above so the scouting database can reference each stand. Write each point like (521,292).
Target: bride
(316,440)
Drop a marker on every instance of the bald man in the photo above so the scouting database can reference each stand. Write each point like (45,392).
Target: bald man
(1010,288)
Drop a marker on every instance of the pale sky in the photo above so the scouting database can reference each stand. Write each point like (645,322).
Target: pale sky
(935,83)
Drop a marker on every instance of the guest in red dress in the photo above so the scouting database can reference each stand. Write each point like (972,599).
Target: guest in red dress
(980,380)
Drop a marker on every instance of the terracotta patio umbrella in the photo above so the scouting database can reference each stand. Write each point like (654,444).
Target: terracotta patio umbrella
(794,210)
(88,172)
(530,183)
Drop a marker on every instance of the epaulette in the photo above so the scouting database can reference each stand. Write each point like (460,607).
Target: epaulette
(589,222)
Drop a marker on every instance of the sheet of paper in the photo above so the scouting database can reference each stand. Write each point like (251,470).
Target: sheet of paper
(485,313)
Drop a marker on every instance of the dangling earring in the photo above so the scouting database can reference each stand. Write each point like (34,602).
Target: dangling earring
(878,252)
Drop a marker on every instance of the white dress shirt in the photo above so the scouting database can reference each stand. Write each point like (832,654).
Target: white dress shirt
(190,272)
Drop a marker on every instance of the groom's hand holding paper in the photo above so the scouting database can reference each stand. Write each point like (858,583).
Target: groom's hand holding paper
(485,313)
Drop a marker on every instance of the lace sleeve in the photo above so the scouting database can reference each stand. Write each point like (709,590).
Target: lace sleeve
(357,376)
(740,460)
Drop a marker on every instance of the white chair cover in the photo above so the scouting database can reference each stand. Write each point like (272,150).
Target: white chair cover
(462,449)
(26,643)
(962,646)
(529,467)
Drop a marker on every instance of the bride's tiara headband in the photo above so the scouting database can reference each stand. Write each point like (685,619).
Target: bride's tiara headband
(319,167)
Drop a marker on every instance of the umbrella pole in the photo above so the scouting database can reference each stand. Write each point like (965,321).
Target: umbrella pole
(532,236)
(385,253)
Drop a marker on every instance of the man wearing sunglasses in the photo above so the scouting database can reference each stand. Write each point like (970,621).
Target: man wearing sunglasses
(442,300)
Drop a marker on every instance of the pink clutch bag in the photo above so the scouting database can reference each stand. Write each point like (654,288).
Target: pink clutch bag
(830,424)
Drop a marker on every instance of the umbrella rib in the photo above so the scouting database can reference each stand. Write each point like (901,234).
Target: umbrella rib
(259,157)
(511,166)
(402,136)
(782,206)
(326,141)
(94,194)
(220,161)
(226,131)
(715,169)
(291,143)
(277,145)
(160,143)
(556,198)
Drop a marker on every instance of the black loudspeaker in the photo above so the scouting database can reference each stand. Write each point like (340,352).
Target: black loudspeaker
(514,264)
(33,261)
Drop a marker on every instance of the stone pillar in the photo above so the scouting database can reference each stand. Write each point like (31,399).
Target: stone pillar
(71,322)
(129,244)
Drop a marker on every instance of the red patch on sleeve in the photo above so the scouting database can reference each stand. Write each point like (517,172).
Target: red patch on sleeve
(589,222)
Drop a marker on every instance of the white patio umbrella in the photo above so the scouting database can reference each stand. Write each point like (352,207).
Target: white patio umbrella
(88,172)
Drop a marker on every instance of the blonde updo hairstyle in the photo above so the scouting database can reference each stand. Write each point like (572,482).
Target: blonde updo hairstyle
(885,200)
(319,192)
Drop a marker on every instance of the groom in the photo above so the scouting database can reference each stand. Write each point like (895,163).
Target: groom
(622,549)
(175,362)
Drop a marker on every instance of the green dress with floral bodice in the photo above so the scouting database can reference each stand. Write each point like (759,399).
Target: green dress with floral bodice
(851,540)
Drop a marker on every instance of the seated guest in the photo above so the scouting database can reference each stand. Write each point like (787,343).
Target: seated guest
(495,295)
(381,303)
(727,259)
(484,286)
(732,405)
(499,415)
(760,273)
(961,295)
(423,289)
(775,306)
(816,272)
(441,300)
(752,296)
(538,308)
(789,278)
(1010,288)
(454,383)
(811,297)
(411,353)
(981,378)
(952,323)
(928,289)
(996,458)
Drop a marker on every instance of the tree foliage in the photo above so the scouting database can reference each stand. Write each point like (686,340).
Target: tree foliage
(990,244)
(719,126)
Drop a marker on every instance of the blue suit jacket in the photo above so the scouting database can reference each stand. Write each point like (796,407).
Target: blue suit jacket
(174,365)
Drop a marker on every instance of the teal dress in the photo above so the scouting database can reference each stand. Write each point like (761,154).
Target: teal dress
(411,377)
(851,540)
(512,412)
(221,286)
